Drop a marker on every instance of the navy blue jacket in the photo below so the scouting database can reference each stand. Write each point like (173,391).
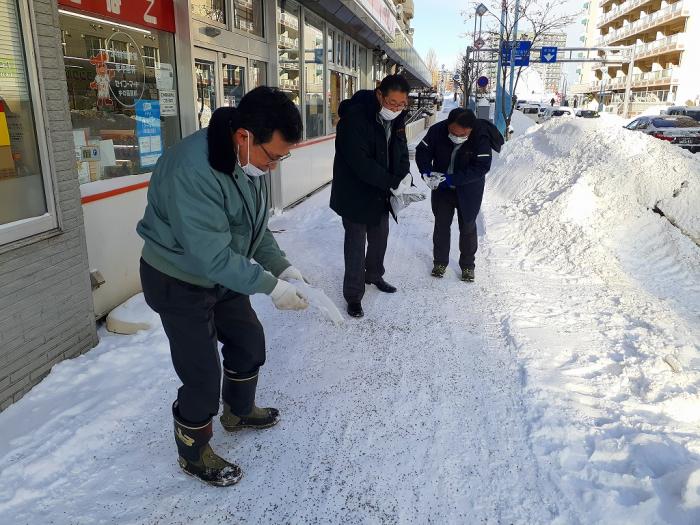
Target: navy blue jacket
(473,160)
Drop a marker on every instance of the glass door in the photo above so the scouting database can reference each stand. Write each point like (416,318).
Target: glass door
(233,78)
(221,82)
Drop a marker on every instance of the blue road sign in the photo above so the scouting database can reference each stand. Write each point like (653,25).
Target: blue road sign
(521,53)
(548,55)
(482,82)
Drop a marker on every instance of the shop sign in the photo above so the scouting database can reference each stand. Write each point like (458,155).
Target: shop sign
(148,132)
(157,14)
(381,13)
(168,102)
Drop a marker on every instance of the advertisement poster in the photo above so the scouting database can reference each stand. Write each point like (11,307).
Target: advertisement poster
(148,132)
(168,103)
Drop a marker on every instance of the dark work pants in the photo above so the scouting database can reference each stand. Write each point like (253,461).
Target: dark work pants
(195,319)
(361,266)
(444,204)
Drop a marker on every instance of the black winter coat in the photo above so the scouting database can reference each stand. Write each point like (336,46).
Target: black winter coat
(362,177)
(473,160)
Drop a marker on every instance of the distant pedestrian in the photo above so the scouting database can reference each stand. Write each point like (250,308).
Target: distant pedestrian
(371,158)
(552,102)
(453,158)
(206,219)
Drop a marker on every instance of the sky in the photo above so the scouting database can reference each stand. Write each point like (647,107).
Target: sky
(439,24)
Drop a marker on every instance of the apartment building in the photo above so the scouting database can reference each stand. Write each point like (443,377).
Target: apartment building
(664,41)
(404,14)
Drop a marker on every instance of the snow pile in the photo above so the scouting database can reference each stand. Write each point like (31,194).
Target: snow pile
(591,231)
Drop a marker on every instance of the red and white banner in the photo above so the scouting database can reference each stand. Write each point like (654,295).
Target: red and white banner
(157,14)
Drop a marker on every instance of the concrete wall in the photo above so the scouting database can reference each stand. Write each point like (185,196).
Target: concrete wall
(45,301)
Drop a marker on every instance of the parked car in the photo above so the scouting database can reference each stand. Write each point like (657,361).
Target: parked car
(689,111)
(680,130)
(554,112)
(531,111)
(587,113)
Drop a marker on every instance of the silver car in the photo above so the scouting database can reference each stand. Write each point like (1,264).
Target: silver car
(680,130)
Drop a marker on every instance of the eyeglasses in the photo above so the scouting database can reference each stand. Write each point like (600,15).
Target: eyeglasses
(394,106)
(272,159)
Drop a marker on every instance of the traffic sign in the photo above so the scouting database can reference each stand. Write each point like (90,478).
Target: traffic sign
(479,43)
(521,53)
(482,82)
(548,55)
(456,77)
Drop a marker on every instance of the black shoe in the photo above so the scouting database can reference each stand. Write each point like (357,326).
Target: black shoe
(438,270)
(468,275)
(382,285)
(355,310)
(197,458)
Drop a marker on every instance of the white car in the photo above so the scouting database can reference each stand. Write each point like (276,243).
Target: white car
(531,111)
(554,112)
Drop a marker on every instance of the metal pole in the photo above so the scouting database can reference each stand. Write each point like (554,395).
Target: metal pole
(512,53)
(498,116)
(628,88)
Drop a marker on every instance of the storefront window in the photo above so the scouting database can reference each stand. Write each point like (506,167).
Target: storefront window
(354,56)
(339,50)
(329,46)
(336,91)
(350,83)
(288,49)
(122,93)
(214,10)
(346,63)
(22,191)
(205,73)
(234,84)
(248,16)
(313,75)
(259,73)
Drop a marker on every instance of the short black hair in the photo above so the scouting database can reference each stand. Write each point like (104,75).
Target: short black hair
(264,110)
(452,116)
(394,83)
(467,119)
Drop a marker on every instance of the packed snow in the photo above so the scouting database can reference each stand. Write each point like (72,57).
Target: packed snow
(562,387)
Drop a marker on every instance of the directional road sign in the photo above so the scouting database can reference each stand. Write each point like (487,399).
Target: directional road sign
(521,53)
(548,55)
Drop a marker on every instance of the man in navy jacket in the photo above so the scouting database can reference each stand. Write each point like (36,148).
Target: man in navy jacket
(453,158)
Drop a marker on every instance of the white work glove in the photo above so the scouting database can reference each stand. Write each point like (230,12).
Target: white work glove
(285,296)
(292,274)
(433,180)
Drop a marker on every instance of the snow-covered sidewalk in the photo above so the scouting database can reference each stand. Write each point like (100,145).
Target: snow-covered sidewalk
(538,394)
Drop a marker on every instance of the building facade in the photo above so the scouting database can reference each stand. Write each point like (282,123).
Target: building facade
(93,92)
(46,309)
(663,37)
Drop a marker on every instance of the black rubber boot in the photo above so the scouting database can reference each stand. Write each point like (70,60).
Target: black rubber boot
(239,404)
(197,458)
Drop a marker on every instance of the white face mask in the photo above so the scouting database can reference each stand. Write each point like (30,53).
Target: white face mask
(249,169)
(387,114)
(458,140)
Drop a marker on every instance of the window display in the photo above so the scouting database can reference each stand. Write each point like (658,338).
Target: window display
(22,194)
(248,16)
(122,92)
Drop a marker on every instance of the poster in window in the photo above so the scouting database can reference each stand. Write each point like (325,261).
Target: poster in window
(148,132)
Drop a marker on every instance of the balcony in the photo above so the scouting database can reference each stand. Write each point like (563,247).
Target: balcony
(671,12)
(659,47)
(654,78)
(618,11)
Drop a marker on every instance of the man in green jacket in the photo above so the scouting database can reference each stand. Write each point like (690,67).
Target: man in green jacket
(206,221)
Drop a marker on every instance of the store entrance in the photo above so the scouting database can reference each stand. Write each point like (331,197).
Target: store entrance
(221,82)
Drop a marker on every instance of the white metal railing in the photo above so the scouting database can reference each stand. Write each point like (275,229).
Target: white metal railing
(646,22)
(663,45)
(620,10)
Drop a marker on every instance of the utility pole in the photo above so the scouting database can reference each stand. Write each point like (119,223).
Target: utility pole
(512,54)
(628,87)
(498,116)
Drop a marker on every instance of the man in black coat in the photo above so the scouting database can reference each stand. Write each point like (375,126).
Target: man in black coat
(371,158)
(453,158)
